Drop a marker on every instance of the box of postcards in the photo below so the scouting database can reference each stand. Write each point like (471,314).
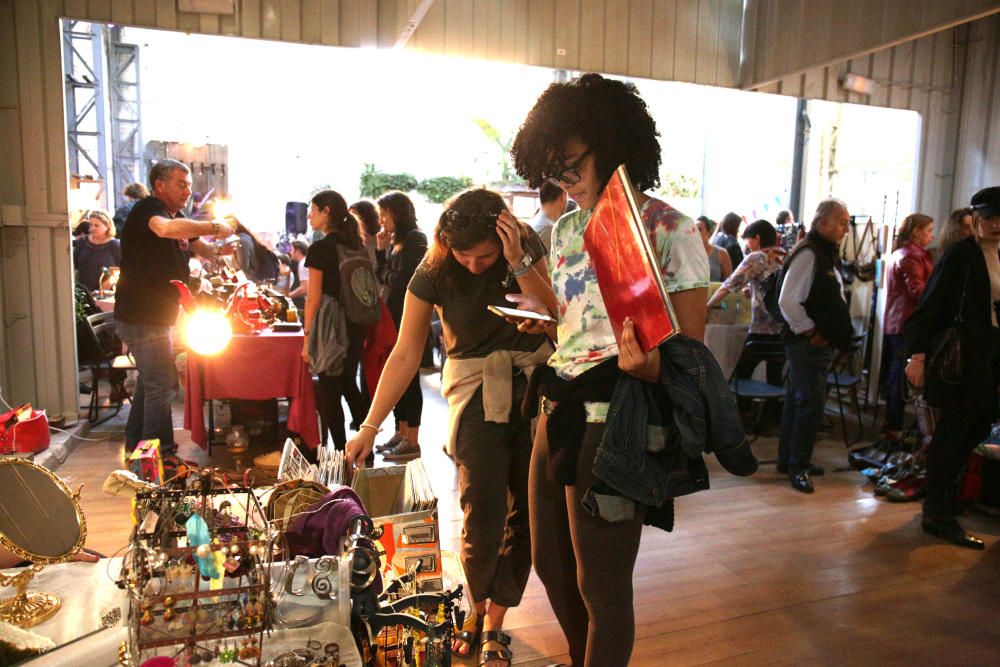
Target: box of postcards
(400,501)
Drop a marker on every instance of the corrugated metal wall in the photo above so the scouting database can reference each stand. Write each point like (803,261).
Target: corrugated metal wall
(950,77)
(685,40)
(792,36)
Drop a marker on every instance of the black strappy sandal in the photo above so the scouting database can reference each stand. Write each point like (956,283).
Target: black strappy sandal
(504,653)
(471,639)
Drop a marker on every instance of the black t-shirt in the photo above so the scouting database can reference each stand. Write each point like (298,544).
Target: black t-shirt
(323,256)
(149,262)
(397,270)
(89,260)
(469,329)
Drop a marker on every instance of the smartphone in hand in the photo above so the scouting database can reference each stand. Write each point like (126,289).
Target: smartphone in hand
(518,314)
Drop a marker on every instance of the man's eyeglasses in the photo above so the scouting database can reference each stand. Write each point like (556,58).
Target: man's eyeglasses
(569,175)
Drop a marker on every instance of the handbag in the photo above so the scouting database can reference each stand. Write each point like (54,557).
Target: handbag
(23,431)
(945,362)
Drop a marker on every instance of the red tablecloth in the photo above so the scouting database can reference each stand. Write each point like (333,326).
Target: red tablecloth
(257,367)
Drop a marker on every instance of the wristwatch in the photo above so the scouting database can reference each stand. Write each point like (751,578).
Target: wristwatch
(523,266)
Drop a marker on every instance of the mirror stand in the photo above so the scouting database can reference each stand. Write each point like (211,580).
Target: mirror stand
(26,609)
(41,521)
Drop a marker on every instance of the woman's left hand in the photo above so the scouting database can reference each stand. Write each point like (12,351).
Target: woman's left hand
(305,350)
(509,230)
(631,358)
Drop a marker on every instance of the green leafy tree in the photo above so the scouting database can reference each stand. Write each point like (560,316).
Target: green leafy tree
(439,188)
(375,182)
(678,185)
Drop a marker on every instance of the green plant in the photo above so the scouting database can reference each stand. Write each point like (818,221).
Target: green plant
(375,182)
(679,185)
(439,188)
(493,134)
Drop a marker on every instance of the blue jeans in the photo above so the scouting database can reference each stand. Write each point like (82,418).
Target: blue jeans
(805,399)
(150,415)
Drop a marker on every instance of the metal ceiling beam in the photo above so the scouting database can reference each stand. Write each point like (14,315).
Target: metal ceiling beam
(411,26)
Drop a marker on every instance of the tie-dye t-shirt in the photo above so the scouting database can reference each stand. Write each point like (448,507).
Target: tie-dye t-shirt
(585,334)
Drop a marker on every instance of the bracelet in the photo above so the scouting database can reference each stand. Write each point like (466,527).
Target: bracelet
(215,228)
(518,272)
(371,426)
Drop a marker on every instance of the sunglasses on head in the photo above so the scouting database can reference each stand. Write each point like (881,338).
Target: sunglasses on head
(461,221)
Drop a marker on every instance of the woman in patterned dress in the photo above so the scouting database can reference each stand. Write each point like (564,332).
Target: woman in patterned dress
(576,135)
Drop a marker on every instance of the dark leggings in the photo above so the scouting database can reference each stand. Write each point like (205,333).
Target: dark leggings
(357,400)
(895,406)
(410,404)
(584,562)
(330,389)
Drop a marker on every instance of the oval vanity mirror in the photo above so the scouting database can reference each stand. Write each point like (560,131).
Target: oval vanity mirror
(42,522)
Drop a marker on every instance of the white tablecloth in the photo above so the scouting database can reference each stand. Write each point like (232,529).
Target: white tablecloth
(88,591)
(725,341)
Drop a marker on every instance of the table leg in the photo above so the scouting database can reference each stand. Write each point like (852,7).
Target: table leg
(211,427)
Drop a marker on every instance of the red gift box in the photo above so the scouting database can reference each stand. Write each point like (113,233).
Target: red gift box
(145,461)
(23,431)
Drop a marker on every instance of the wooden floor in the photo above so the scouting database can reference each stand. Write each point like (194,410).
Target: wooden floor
(754,573)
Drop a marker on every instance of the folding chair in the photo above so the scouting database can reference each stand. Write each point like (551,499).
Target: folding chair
(102,355)
(843,375)
(758,392)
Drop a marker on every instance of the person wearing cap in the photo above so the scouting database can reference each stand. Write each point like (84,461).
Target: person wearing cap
(817,323)
(963,292)
(765,259)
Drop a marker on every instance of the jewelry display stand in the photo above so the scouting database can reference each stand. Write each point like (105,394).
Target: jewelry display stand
(198,573)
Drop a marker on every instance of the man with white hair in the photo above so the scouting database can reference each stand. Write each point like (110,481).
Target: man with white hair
(817,322)
(155,246)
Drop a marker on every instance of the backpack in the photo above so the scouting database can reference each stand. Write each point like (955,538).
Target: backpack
(770,289)
(358,287)
(265,264)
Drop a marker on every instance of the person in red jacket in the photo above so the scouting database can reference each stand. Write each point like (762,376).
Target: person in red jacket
(909,268)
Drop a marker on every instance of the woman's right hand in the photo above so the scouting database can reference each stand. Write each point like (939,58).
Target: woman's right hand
(915,371)
(527,302)
(382,239)
(359,447)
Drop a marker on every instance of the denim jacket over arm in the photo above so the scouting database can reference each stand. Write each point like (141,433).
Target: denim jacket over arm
(694,412)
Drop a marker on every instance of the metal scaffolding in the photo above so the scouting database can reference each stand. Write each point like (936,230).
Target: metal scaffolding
(83,64)
(126,129)
(94,78)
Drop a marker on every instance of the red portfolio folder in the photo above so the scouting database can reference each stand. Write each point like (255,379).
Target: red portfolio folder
(627,271)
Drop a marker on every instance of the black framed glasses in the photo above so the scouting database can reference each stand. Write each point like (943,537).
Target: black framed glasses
(570,175)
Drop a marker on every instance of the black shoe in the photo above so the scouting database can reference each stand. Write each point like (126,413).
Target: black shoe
(949,529)
(815,471)
(801,482)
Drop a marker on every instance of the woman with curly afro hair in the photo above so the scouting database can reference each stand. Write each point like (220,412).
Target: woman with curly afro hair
(575,137)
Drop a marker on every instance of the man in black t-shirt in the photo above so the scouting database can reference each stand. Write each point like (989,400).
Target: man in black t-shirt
(155,247)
